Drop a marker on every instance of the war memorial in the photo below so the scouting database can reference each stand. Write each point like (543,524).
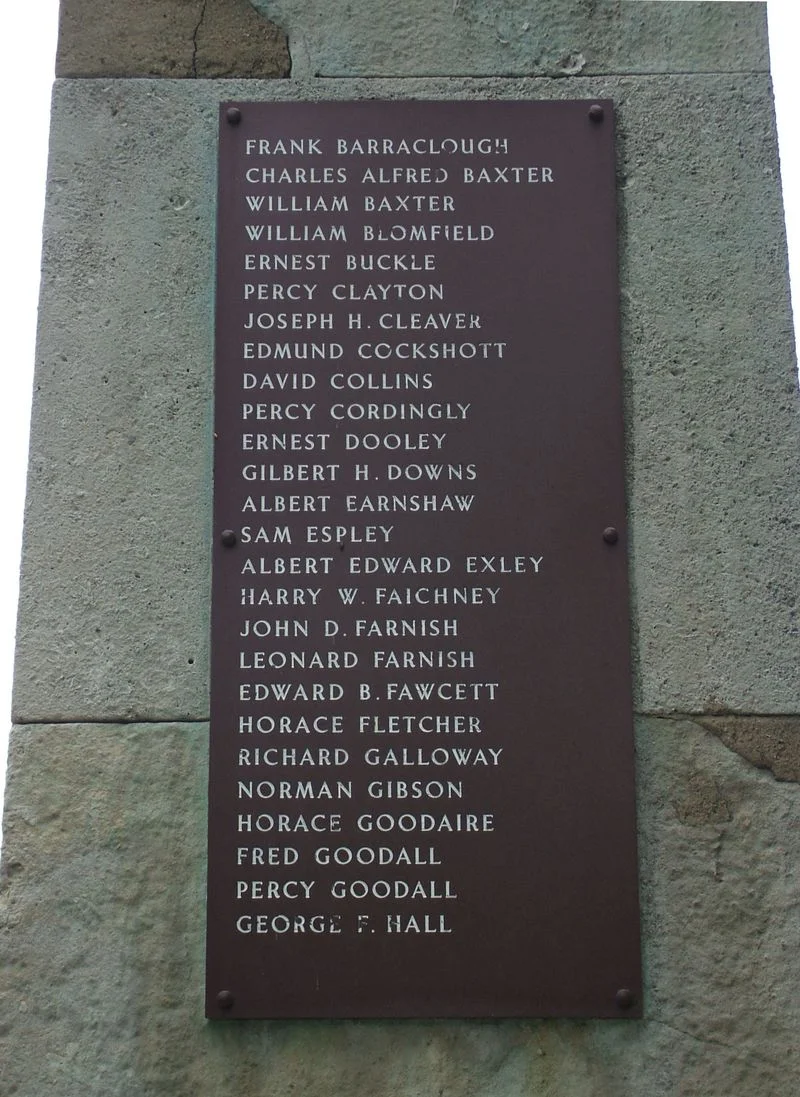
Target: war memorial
(406,694)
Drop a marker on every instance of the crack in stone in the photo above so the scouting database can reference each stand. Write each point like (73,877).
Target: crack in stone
(718,877)
(195,33)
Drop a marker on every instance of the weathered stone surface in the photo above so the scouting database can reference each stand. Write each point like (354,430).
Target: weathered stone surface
(102,879)
(114,609)
(445,37)
(772,744)
(232,39)
(101,943)
(519,37)
(719,910)
(168,38)
(713,403)
(701,801)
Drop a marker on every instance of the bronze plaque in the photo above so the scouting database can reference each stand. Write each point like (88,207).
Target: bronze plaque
(422,782)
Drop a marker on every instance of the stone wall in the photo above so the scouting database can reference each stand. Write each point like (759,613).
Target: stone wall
(102,905)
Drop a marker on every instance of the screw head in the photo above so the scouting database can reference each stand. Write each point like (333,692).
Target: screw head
(624,998)
(610,535)
(596,112)
(224,999)
(228,538)
(234,116)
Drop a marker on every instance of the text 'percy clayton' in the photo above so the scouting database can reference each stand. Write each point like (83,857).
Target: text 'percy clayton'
(323,659)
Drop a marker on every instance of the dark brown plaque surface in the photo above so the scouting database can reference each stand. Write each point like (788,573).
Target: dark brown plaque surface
(421,788)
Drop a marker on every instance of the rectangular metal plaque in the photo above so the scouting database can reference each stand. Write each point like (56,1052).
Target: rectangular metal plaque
(421,781)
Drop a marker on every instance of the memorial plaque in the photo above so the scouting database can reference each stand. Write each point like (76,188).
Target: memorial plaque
(421,778)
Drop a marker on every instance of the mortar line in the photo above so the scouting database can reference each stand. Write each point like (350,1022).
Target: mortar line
(125,720)
(415,76)
(541,75)
(120,720)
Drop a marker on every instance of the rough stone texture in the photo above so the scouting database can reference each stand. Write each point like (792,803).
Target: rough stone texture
(232,39)
(168,38)
(101,943)
(701,801)
(114,610)
(769,744)
(519,37)
(713,404)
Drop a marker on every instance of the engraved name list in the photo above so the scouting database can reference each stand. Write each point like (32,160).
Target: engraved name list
(421,776)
